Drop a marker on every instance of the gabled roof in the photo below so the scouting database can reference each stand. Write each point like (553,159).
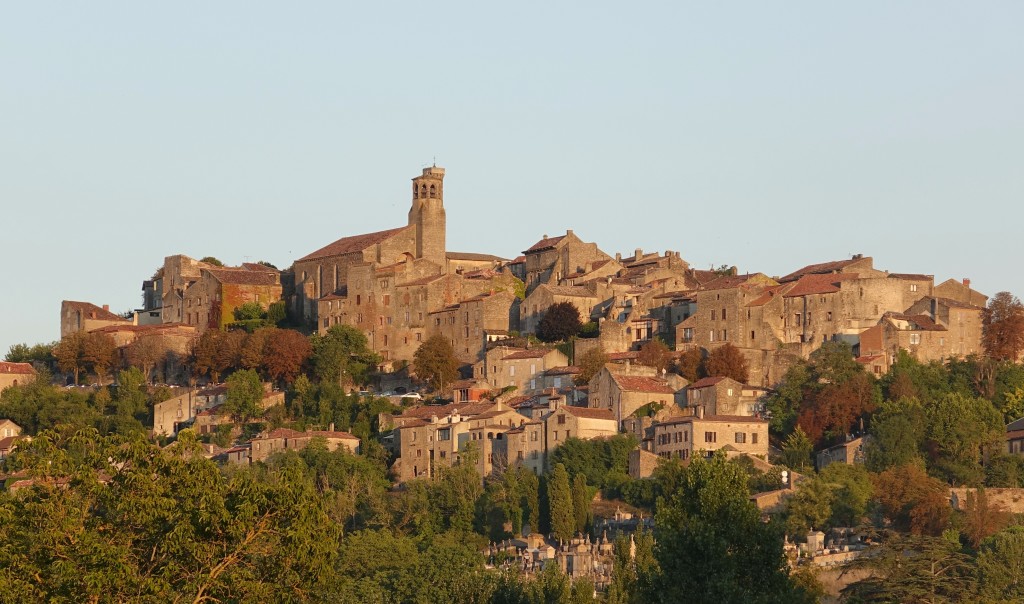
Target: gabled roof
(728,282)
(244,277)
(421,281)
(623,356)
(473,256)
(355,243)
(533,353)
(16,369)
(957,304)
(588,412)
(818,284)
(576,291)
(748,419)
(568,370)
(641,383)
(706,382)
(544,244)
(911,277)
(91,311)
(823,267)
(918,322)
(339,294)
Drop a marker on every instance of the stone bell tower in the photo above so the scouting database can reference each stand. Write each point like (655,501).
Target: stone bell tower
(427,215)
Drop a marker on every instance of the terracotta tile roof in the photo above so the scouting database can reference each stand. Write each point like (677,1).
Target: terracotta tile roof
(91,311)
(640,383)
(244,277)
(279,433)
(921,322)
(824,267)
(519,260)
(957,304)
(533,353)
(703,277)
(864,360)
(355,243)
(473,256)
(325,434)
(623,356)
(519,401)
(589,413)
(17,368)
(1017,424)
(767,295)
(466,409)
(679,294)
(7,443)
(568,370)
(158,328)
(747,419)
(818,284)
(911,277)
(705,382)
(544,244)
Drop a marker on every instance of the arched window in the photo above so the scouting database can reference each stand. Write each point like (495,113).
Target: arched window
(423,190)
(415,191)
(431,191)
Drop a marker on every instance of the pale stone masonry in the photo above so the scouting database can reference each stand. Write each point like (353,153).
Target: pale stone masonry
(682,437)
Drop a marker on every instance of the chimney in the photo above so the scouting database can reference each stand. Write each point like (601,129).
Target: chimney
(638,253)
(618,257)
(106,307)
(568,232)
(700,411)
(967,283)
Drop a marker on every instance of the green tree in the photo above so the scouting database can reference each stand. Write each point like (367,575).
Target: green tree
(1002,332)
(99,351)
(69,354)
(245,393)
(959,429)
(852,491)
(560,322)
(633,568)
(563,522)
(211,260)
(37,353)
(797,450)
(711,545)
(581,503)
(1001,566)
(435,361)
(343,356)
(914,569)
(249,311)
(898,432)
(810,507)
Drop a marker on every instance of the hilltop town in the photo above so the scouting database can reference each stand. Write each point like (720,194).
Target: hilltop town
(424,362)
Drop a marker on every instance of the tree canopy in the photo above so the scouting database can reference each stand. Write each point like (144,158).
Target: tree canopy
(560,322)
(436,362)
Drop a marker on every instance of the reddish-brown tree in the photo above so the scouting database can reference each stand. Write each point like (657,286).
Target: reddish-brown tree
(254,348)
(982,518)
(655,354)
(1002,332)
(912,500)
(727,361)
(285,354)
(690,364)
(836,408)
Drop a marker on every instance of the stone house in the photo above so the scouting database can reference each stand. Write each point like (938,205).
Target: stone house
(962,320)
(520,368)
(284,439)
(433,435)
(543,297)
(469,391)
(626,388)
(86,317)
(917,334)
(1015,437)
(681,437)
(466,323)
(850,452)
(567,422)
(16,374)
(10,433)
(960,291)
(552,258)
(525,445)
(210,301)
(725,396)
(559,377)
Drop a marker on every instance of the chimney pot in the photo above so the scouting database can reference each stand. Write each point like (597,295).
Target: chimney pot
(106,307)
(967,282)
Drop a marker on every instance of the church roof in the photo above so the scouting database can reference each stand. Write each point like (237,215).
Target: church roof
(355,243)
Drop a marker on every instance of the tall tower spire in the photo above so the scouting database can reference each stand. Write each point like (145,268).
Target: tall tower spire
(427,215)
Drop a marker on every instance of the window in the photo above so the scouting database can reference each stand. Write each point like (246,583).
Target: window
(511,369)
(751,335)
(533,436)
(741,437)
(444,434)
(419,337)
(710,437)
(359,299)
(913,287)
(753,438)
(387,299)
(713,317)
(561,419)
(723,314)
(796,318)
(808,318)
(533,454)
(712,336)
(828,316)
(915,338)
(725,335)
(687,334)
(519,455)
(556,434)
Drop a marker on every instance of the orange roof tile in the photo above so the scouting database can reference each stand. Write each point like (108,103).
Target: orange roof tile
(544,244)
(355,243)
(92,311)
(818,284)
(823,267)
(640,383)
(16,368)
(589,412)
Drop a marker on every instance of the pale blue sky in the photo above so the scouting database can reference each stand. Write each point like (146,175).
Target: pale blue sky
(765,135)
